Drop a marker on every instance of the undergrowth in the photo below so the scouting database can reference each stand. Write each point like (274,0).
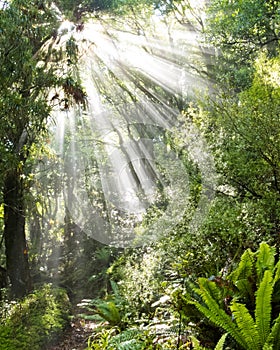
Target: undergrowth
(33,322)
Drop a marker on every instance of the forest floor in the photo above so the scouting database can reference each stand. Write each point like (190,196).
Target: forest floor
(75,336)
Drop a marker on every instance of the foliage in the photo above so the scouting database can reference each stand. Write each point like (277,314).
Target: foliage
(241,130)
(245,303)
(125,340)
(240,30)
(36,75)
(247,25)
(136,338)
(76,10)
(35,321)
(112,309)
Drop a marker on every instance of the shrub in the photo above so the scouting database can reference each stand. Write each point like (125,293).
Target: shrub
(33,322)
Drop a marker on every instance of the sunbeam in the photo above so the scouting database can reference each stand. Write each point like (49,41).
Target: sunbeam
(116,154)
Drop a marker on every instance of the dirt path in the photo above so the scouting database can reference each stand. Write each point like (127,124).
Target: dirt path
(75,337)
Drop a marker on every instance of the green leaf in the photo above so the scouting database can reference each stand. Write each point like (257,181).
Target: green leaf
(39,208)
(246,326)
(265,259)
(195,343)
(244,287)
(110,312)
(217,315)
(276,272)
(221,342)
(273,340)
(263,306)
(211,287)
(245,267)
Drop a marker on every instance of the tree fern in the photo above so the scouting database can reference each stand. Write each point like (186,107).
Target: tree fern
(246,326)
(263,306)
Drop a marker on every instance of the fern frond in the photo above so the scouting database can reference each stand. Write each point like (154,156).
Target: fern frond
(273,340)
(245,267)
(217,315)
(211,287)
(246,326)
(221,342)
(263,306)
(265,259)
(132,344)
(276,272)
(126,340)
(109,311)
(245,288)
(196,343)
(93,317)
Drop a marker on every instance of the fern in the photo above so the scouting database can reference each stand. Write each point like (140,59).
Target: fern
(132,344)
(246,326)
(93,317)
(263,306)
(254,272)
(267,347)
(245,267)
(109,311)
(126,340)
(221,342)
(218,316)
(276,272)
(102,310)
(245,288)
(196,343)
(128,334)
(265,259)
(212,288)
(273,340)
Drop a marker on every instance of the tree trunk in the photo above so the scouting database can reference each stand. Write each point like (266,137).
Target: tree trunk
(14,233)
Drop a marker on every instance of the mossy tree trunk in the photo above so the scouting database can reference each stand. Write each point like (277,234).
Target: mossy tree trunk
(14,233)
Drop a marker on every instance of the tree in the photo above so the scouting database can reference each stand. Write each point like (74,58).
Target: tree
(75,9)
(240,30)
(247,132)
(31,68)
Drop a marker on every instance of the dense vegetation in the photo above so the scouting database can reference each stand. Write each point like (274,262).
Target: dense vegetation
(207,284)
(35,321)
